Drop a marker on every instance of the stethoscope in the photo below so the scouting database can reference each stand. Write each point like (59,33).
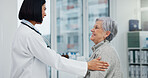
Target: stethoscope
(38,33)
(31,28)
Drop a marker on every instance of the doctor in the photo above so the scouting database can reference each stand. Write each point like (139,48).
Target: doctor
(30,55)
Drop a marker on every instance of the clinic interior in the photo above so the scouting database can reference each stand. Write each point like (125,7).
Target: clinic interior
(67,26)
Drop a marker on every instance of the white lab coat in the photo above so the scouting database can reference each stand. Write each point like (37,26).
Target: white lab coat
(30,57)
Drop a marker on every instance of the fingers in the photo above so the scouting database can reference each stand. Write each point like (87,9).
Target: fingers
(100,69)
(95,64)
(99,58)
(103,67)
(104,63)
(101,63)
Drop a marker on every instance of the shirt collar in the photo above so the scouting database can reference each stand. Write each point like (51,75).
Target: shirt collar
(99,44)
(30,24)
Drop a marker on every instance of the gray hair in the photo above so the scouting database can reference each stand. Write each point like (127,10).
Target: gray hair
(109,24)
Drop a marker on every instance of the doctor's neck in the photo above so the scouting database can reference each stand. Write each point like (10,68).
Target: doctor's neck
(33,22)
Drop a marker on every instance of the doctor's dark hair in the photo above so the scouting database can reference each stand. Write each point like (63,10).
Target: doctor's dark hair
(32,10)
(109,24)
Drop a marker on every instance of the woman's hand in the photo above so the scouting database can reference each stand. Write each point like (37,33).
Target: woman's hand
(96,64)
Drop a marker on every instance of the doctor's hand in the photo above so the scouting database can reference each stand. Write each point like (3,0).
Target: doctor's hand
(96,64)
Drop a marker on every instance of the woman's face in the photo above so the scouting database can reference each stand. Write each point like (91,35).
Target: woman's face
(43,11)
(98,34)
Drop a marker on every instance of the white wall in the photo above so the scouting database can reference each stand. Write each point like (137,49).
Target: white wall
(122,11)
(8,24)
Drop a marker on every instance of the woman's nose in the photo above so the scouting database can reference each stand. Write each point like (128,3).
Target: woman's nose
(92,30)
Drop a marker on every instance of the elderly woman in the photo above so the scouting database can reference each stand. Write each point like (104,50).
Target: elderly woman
(103,32)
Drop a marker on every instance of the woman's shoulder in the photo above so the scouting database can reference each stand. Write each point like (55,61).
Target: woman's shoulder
(25,31)
(107,50)
(107,47)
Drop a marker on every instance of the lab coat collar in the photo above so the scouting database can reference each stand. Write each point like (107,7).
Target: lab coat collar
(30,24)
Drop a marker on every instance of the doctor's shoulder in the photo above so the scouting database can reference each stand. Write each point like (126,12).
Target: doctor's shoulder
(23,34)
(25,31)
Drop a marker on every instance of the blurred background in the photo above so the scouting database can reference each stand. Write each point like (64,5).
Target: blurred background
(67,30)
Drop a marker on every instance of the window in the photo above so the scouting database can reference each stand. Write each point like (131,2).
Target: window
(70,24)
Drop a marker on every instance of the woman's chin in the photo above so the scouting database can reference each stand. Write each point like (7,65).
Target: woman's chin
(92,39)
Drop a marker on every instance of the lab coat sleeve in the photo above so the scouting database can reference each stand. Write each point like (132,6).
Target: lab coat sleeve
(39,50)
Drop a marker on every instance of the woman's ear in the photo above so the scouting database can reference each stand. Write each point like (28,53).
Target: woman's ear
(107,33)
